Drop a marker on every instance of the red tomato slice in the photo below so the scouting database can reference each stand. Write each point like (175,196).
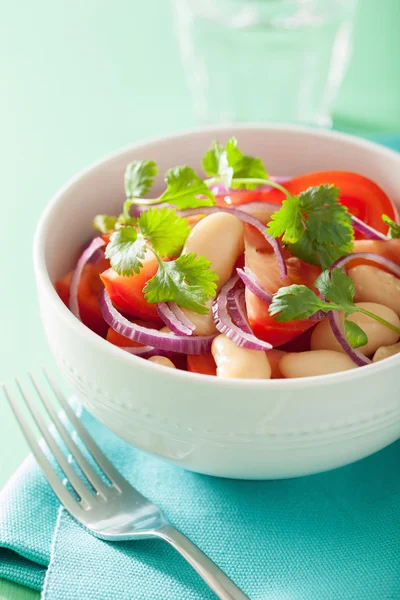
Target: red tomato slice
(126,293)
(364,198)
(202,363)
(88,295)
(262,262)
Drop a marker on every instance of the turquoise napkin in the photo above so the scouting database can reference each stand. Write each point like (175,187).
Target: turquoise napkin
(333,536)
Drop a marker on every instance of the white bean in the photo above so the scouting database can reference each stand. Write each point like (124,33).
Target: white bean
(239,363)
(386,352)
(218,237)
(317,362)
(378,334)
(375,285)
(204,324)
(163,361)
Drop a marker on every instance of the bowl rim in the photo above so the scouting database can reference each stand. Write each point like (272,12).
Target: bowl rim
(44,283)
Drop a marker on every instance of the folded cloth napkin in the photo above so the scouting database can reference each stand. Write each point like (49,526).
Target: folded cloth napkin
(332,536)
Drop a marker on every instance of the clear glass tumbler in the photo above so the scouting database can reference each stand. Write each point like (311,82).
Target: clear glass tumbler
(264,60)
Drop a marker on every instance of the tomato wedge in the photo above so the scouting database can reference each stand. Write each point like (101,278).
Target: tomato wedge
(260,259)
(364,198)
(88,295)
(202,363)
(126,293)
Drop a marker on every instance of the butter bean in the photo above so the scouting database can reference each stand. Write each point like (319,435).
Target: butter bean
(163,361)
(386,351)
(317,362)
(218,237)
(378,335)
(239,363)
(204,324)
(375,285)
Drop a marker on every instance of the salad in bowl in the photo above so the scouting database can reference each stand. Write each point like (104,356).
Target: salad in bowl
(240,274)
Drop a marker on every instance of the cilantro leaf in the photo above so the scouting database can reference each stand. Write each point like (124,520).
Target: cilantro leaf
(354,334)
(287,221)
(139,177)
(211,159)
(183,188)
(126,250)
(188,281)
(104,223)
(295,302)
(314,225)
(164,230)
(230,163)
(394,228)
(337,287)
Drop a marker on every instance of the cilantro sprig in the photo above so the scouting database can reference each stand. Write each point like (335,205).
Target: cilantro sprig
(300,302)
(394,228)
(189,281)
(314,226)
(185,189)
(234,169)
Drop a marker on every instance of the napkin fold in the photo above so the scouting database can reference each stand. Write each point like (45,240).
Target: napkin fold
(333,536)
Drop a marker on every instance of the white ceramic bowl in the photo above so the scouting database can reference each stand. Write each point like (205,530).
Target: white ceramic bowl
(233,428)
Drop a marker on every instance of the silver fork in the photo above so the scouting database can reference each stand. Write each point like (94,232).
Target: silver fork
(117,512)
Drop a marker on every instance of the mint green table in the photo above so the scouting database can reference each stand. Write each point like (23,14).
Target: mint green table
(80,79)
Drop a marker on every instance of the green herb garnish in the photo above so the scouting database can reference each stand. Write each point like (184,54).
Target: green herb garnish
(300,302)
(189,281)
(394,228)
(314,226)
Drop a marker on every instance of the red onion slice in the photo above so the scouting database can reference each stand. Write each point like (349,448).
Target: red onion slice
(152,337)
(253,285)
(85,257)
(146,351)
(364,229)
(237,309)
(393,267)
(245,218)
(225,325)
(354,353)
(175,319)
(219,189)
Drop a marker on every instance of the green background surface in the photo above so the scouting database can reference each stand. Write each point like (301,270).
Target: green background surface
(82,78)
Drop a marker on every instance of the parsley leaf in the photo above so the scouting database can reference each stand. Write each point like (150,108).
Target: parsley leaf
(295,302)
(230,163)
(314,225)
(394,228)
(104,223)
(126,251)
(139,177)
(183,187)
(354,334)
(164,230)
(188,281)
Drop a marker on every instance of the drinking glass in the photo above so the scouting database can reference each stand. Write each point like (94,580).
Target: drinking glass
(264,60)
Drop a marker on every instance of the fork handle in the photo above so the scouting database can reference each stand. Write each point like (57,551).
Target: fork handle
(216,579)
